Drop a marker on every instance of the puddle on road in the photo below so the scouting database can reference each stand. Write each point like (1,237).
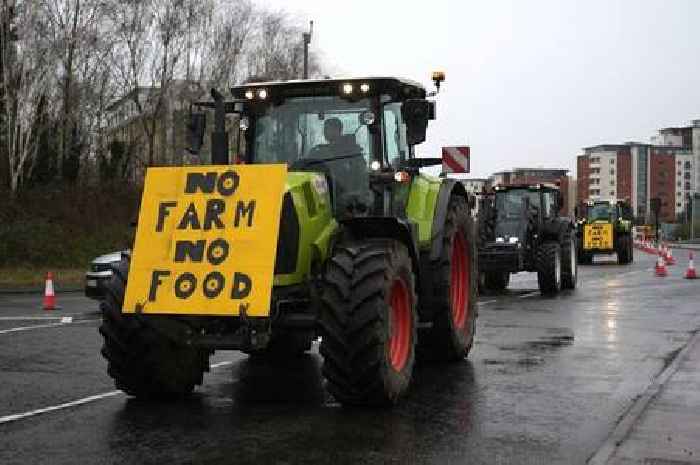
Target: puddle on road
(531,353)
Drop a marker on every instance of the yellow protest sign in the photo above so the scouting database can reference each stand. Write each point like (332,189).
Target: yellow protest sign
(598,236)
(206,240)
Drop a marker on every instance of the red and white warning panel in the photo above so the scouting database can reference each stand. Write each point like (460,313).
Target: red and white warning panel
(455,159)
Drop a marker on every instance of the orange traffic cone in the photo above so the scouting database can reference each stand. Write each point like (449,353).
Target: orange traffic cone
(690,273)
(49,296)
(660,267)
(669,257)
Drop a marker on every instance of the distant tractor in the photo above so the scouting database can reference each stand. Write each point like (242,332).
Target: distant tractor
(520,230)
(605,227)
(374,256)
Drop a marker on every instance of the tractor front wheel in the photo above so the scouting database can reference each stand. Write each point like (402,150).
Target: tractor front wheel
(624,249)
(549,268)
(143,362)
(569,263)
(368,322)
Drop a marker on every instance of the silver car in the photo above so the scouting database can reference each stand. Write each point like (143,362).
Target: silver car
(99,273)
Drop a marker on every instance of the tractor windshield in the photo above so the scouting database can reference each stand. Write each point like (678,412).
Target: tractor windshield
(601,212)
(509,204)
(328,129)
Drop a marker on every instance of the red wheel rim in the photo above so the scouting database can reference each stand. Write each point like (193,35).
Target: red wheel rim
(460,279)
(401,325)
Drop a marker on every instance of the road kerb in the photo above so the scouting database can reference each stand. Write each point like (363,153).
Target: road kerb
(629,419)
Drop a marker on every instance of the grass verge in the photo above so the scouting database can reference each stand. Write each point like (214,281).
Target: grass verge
(33,278)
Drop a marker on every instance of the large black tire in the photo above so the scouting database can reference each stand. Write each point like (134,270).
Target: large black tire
(569,263)
(549,268)
(368,322)
(143,362)
(624,249)
(496,281)
(454,289)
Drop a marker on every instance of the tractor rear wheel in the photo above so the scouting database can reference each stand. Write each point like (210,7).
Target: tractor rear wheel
(455,289)
(569,263)
(624,249)
(143,362)
(368,322)
(549,268)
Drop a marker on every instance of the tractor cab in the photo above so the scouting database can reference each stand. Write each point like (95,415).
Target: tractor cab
(607,211)
(360,133)
(515,205)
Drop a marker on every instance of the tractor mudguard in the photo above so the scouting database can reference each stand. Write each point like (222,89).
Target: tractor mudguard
(400,229)
(447,189)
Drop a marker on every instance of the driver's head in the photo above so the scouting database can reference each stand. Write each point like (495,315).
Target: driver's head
(332,130)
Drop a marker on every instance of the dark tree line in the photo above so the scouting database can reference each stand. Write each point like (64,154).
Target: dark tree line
(64,64)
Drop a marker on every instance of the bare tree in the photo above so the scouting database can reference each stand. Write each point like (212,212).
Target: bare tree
(278,52)
(76,29)
(217,49)
(25,84)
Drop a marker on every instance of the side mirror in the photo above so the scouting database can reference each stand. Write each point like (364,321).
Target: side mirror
(416,113)
(196,127)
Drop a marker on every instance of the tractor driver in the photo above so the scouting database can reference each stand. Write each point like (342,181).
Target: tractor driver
(337,143)
(349,173)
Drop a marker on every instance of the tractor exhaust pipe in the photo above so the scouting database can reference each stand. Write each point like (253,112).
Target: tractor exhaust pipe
(219,137)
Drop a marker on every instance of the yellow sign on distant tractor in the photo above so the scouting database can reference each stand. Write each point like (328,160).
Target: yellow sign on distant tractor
(206,240)
(598,236)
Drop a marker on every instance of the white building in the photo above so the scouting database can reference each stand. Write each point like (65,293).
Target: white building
(475,185)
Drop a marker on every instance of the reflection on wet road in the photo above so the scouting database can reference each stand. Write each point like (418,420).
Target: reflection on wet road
(546,382)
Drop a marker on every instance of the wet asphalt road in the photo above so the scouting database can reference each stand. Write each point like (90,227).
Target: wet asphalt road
(546,382)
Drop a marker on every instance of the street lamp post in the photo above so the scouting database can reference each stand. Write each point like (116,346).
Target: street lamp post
(307,40)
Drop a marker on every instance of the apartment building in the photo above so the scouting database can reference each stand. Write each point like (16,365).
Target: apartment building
(668,168)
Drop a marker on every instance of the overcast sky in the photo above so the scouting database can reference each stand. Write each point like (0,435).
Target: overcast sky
(529,83)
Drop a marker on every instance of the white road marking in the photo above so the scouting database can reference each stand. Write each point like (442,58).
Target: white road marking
(75,403)
(529,294)
(486,302)
(64,321)
(84,400)
(221,364)
(30,318)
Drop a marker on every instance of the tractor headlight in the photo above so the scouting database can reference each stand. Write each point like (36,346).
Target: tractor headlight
(513,240)
(364,88)
(500,240)
(375,165)
(262,93)
(249,94)
(347,89)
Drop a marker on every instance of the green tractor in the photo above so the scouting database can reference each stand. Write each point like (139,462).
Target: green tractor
(605,227)
(373,256)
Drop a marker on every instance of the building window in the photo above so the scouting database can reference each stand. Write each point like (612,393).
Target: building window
(679,205)
(612,161)
(595,159)
(687,186)
(612,172)
(687,175)
(612,193)
(678,184)
(612,183)
(679,163)
(688,165)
